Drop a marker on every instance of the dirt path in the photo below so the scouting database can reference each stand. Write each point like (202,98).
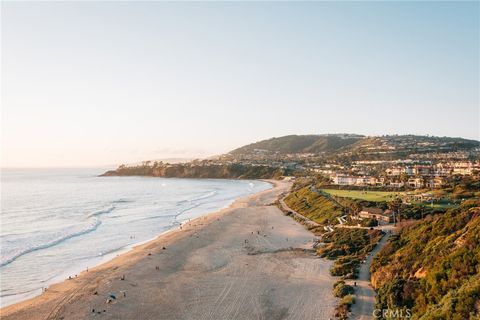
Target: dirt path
(364,293)
(247,262)
(306,221)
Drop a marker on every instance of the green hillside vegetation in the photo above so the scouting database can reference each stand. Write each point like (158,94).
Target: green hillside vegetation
(349,242)
(433,266)
(300,144)
(313,205)
(463,188)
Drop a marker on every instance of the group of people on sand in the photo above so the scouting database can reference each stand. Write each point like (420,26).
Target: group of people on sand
(258,233)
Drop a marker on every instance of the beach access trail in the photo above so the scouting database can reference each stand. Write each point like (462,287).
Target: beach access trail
(364,305)
(248,261)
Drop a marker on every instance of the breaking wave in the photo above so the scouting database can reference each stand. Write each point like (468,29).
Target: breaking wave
(58,238)
(103,211)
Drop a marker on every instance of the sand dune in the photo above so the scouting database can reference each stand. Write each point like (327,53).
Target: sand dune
(246,262)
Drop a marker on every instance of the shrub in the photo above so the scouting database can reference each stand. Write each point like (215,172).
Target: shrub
(338,283)
(342,290)
(345,267)
(348,300)
(341,312)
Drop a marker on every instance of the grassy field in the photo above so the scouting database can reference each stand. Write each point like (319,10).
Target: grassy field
(376,196)
(443,204)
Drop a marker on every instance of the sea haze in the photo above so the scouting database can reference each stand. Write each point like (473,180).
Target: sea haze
(56,222)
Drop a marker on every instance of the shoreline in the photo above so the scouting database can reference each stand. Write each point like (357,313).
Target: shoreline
(76,296)
(93,262)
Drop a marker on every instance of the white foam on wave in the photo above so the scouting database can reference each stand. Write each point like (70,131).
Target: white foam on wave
(123,201)
(204,196)
(59,237)
(102,211)
(9,258)
(67,212)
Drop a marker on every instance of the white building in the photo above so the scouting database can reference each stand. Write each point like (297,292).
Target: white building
(344,180)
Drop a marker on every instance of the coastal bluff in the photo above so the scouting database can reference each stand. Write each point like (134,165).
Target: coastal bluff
(200,169)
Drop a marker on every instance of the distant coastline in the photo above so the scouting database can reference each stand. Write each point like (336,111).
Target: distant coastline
(199,169)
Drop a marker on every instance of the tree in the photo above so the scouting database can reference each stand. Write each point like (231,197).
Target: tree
(355,208)
(394,205)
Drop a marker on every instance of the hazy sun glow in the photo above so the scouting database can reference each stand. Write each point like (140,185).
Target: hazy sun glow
(98,83)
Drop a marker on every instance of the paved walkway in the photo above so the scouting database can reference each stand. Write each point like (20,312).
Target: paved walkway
(364,293)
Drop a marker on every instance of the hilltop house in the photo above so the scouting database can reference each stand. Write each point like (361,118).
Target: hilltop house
(376,213)
(345,180)
(395,171)
(437,170)
(427,196)
(435,182)
(415,182)
(396,184)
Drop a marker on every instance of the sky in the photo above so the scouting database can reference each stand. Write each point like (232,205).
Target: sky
(105,83)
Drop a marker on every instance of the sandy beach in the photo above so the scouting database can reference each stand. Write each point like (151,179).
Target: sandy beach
(248,261)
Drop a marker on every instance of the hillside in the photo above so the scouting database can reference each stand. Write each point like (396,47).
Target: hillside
(300,144)
(358,146)
(433,267)
(314,205)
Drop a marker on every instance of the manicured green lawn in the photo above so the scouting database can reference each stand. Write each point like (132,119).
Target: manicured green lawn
(443,204)
(377,196)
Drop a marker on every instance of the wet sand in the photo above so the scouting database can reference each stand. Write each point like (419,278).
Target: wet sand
(248,261)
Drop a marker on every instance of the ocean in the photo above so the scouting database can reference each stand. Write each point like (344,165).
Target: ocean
(57,222)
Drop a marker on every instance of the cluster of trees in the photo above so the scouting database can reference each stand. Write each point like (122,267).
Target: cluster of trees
(463,187)
(432,266)
(350,243)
